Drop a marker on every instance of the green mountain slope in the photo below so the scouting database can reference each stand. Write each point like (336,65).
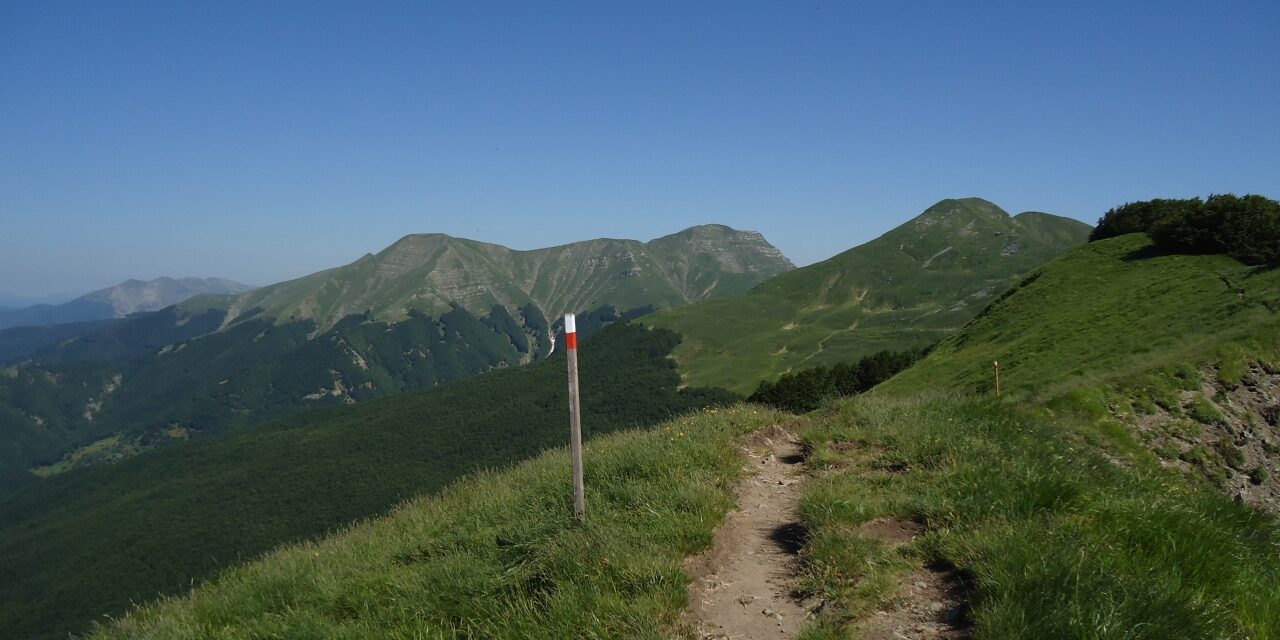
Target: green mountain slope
(148,383)
(431,272)
(908,288)
(1107,309)
(16,343)
(1122,486)
(91,541)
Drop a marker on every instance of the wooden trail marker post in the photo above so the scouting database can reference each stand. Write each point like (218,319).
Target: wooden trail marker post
(575,417)
(996,364)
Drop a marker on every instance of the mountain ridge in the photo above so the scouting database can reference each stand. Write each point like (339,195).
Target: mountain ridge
(907,288)
(124,299)
(430,271)
(426,310)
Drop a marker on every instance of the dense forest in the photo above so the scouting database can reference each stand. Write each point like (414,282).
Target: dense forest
(91,541)
(806,390)
(138,385)
(1246,228)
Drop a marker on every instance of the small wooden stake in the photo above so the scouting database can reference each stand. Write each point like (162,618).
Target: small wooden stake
(997,366)
(575,417)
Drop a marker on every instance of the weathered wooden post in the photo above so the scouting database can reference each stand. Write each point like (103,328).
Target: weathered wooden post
(996,364)
(575,417)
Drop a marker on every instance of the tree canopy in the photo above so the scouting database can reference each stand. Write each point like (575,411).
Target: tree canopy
(1244,227)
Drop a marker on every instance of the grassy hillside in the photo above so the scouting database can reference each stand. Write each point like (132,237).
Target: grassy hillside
(497,555)
(90,541)
(1112,492)
(1046,538)
(1105,310)
(909,288)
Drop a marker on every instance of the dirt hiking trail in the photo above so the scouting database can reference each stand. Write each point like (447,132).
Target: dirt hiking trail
(742,585)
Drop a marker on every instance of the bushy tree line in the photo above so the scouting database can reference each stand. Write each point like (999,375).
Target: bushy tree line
(1245,227)
(806,390)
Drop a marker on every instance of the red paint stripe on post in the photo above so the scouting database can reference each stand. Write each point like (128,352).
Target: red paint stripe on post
(575,417)
(570,331)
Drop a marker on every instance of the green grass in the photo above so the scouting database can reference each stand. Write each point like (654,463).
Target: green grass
(497,555)
(906,289)
(1203,411)
(1113,309)
(1053,540)
(1057,516)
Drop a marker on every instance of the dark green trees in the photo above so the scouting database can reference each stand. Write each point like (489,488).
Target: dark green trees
(1244,227)
(806,390)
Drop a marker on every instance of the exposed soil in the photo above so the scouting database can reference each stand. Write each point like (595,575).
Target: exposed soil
(1239,450)
(742,587)
(930,604)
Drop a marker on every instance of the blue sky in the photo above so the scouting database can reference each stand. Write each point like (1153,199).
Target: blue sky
(262,141)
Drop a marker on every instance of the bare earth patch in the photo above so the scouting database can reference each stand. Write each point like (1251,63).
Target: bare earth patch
(929,605)
(742,587)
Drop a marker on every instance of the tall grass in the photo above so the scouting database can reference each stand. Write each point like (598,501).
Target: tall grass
(1054,540)
(496,555)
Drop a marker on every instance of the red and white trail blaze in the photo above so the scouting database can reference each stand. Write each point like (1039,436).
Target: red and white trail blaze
(570,331)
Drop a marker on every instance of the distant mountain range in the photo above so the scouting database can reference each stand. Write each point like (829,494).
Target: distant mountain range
(131,296)
(434,273)
(427,310)
(10,301)
(908,288)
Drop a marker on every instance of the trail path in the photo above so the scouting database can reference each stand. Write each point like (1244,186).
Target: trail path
(742,585)
(822,344)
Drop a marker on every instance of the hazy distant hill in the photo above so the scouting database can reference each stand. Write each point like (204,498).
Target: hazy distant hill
(10,301)
(128,297)
(907,288)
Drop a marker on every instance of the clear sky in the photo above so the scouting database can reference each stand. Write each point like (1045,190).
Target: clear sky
(262,141)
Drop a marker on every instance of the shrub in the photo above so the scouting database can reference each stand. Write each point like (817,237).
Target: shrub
(1246,228)
(1203,411)
(1232,456)
(806,390)
(1140,217)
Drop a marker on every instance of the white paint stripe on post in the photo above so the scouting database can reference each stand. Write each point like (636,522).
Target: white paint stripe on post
(575,417)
